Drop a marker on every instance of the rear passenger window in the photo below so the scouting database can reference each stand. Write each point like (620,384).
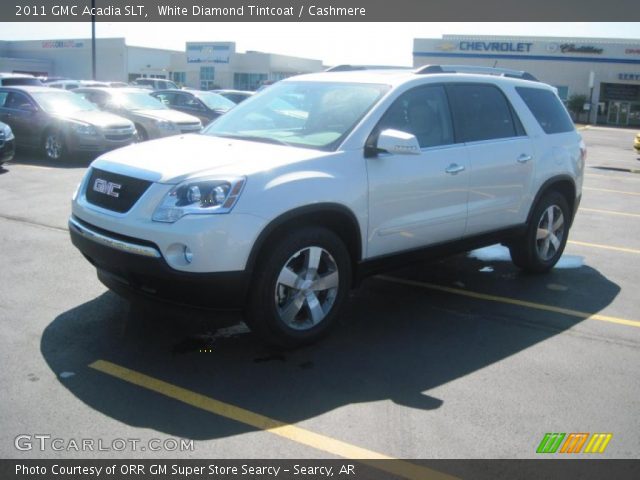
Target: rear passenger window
(547,108)
(423,112)
(481,112)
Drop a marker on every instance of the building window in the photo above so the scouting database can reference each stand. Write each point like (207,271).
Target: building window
(248,81)
(207,75)
(179,77)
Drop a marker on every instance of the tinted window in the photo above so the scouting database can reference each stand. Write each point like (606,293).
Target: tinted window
(424,112)
(547,108)
(188,101)
(165,97)
(480,112)
(21,81)
(18,101)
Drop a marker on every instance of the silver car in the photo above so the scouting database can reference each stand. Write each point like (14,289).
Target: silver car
(151,117)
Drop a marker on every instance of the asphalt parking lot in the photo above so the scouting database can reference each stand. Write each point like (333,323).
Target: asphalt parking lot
(463,358)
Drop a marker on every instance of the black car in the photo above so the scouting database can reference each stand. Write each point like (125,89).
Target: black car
(207,106)
(6,143)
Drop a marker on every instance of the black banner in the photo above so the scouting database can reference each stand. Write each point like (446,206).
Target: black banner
(316,10)
(548,469)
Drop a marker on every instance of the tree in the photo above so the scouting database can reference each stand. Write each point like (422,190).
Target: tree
(576,102)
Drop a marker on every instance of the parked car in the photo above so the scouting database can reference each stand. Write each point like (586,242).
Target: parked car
(151,117)
(636,143)
(7,143)
(46,80)
(207,106)
(116,84)
(71,84)
(15,79)
(60,122)
(236,96)
(154,83)
(280,212)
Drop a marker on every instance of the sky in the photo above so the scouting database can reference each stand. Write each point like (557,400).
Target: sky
(333,43)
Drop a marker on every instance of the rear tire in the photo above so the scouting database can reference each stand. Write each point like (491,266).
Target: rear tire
(300,283)
(540,248)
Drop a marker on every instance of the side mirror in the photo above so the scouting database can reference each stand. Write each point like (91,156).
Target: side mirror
(398,142)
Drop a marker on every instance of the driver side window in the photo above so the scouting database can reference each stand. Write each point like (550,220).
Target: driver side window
(423,112)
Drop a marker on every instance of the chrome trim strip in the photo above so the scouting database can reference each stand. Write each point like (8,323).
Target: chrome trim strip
(112,242)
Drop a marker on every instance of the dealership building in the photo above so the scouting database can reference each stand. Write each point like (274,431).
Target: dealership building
(205,65)
(606,71)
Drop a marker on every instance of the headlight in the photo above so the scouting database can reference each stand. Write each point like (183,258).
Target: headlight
(165,125)
(199,197)
(84,129)
(8,134)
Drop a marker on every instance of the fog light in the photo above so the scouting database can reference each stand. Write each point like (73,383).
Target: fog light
(188,254)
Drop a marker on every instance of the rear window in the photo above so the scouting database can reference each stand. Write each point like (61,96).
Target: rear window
(547,108)
(14,81)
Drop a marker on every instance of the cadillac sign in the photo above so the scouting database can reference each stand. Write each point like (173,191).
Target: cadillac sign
(573,48)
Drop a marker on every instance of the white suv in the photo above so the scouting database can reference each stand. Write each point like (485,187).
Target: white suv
(283,204)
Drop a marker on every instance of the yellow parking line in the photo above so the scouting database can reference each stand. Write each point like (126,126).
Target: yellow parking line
(606,247)
(513,301)
(611,191)
(610,212)
(300,435)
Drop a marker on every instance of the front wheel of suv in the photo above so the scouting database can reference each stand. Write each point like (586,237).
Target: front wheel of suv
(540,248)
(300,283)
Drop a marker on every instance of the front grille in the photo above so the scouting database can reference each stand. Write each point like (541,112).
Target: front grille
(119,132)
(189,127)
(114,191)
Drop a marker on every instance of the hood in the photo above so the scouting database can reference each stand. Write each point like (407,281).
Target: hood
(98,118)
(170,115)
(174,159)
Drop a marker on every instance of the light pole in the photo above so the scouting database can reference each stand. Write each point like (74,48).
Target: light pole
(93,39)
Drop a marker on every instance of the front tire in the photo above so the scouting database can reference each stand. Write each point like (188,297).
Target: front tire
(300,284)
(540,248)
(54,146)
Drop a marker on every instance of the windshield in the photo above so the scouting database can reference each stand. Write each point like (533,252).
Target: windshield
(215,101)
(305,114)
(62,102)
(137,101)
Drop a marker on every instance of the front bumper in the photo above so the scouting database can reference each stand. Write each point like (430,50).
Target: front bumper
(133,267)
(7,149)
(78,143)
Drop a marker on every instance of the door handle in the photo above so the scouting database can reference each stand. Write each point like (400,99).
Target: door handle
(454,169)
(524,158)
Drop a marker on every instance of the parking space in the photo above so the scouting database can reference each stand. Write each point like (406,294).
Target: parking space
(462,358)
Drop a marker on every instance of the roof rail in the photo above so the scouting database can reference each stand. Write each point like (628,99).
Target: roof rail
(503,72)
(351,68)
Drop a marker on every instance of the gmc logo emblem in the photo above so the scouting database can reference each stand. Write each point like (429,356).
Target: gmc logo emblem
(108,188)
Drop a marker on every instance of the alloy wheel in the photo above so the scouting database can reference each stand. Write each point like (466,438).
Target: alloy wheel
(306,288)
(53,146)
(550,233)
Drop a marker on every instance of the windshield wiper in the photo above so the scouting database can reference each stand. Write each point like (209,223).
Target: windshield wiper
(255,138)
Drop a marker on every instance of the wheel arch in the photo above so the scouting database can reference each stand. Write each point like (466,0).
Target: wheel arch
(336,217)
(563,184)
